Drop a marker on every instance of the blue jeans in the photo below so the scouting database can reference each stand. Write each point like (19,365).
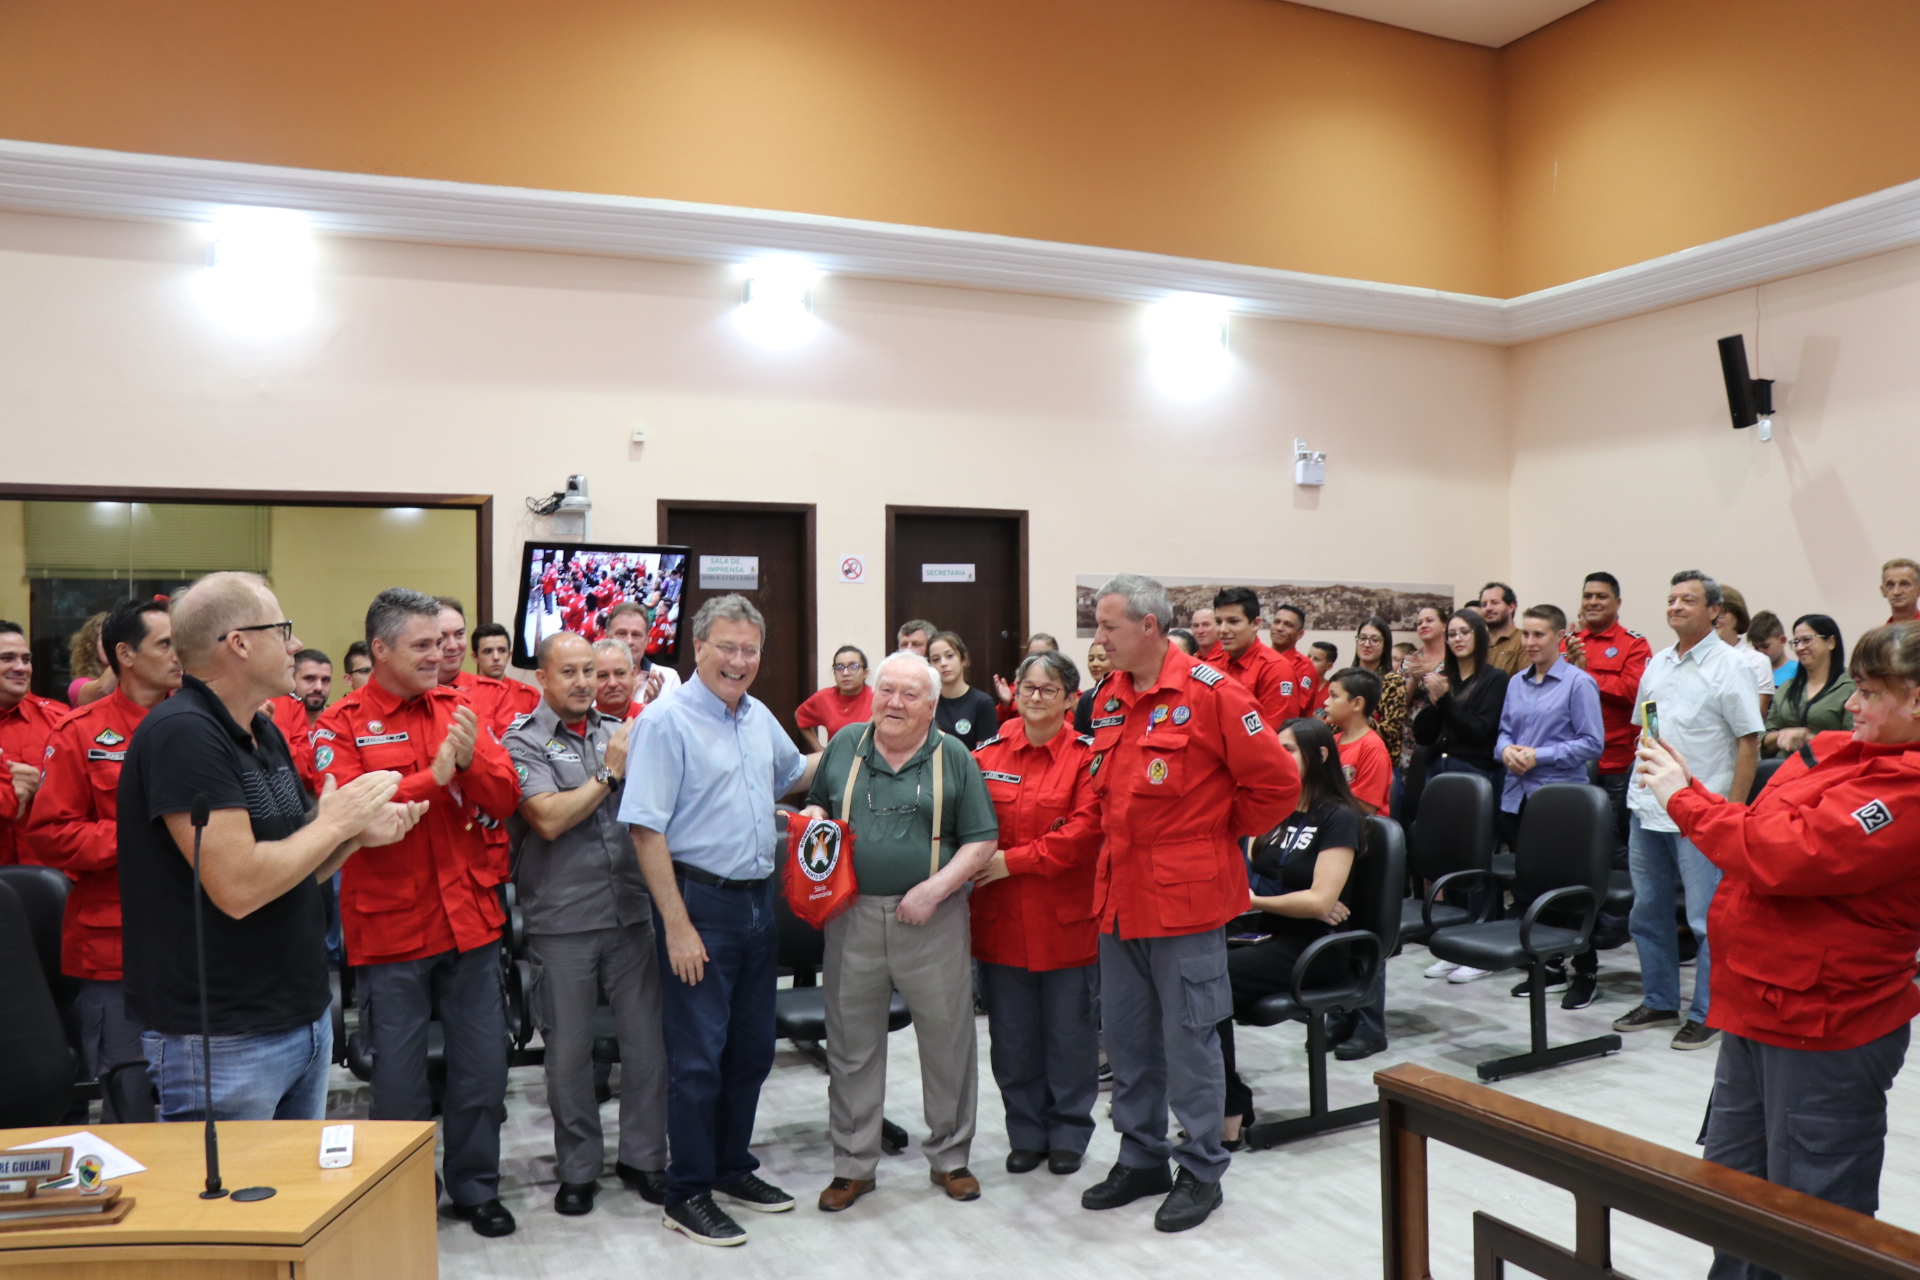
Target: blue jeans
(718,1034)
(1661,863)
(279,1075)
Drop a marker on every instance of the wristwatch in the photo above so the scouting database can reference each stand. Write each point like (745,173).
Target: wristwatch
(605,776)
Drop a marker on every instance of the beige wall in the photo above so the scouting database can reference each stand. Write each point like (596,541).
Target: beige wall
(1625,458)
(329,562)
(476,371)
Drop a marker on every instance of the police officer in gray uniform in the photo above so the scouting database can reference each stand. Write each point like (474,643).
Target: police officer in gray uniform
(589,927)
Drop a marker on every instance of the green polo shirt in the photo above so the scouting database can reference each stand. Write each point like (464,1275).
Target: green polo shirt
(892,812)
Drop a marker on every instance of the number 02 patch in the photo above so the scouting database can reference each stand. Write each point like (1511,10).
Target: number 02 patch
(1873,815)
(1252,721)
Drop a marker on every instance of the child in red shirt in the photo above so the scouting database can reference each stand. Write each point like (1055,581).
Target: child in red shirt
(1352,694)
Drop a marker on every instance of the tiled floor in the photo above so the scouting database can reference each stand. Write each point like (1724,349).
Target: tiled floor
(1308,1210)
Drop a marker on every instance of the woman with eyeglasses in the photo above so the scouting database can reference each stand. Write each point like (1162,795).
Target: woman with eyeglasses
(1033,928)
(1373,652)
(849,700)
(1815,700)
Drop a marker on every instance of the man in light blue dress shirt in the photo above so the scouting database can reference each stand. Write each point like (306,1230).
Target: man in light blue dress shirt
(1550,731)
(707,766)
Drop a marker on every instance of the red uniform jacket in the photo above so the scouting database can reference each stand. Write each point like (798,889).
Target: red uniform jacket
(290,718)
(1817,917)
(1304,678)
(634,708)
(1616,658)
(435,891)
(24,730)
(1041,916)
(496,702)
(9,801)
(1181,770)
(1265,675)
(73,828)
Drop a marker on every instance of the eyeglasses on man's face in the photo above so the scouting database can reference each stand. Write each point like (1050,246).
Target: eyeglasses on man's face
(284,628)
(751,652)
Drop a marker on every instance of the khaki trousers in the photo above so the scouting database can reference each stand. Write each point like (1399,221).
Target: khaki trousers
(868,954)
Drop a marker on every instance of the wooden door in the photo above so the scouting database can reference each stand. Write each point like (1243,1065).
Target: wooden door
(990,612)
(780,535)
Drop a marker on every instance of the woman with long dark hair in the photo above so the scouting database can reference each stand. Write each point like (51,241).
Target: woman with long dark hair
(1373,652)
(1301,873)
(1467,693)
(964,711)
(1814,701)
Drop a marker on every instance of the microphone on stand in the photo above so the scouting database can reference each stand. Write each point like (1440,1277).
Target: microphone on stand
(198,817)
(201,811)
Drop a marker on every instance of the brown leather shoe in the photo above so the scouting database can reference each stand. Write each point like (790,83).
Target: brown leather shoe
(960,1185)
(842,1192)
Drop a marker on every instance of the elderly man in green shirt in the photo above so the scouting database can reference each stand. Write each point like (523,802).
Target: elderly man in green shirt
(923,826)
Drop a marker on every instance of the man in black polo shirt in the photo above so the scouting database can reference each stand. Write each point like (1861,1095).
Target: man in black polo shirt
(262,859)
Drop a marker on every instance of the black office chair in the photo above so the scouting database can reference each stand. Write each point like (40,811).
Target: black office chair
(1562,865)
(36,1062)
(1335,975)
(43,895)
(1454,832)
(800,1011)
(1763,775)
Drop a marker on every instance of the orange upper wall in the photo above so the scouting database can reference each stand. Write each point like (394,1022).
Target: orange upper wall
(1244,130)
(1637,128)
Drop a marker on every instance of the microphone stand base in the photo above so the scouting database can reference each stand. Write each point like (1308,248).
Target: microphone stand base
(246,1194)
(215,1194)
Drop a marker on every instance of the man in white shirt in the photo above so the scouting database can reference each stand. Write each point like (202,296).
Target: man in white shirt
(1706,707)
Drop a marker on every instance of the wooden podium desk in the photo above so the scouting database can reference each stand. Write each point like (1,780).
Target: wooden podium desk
(373,1218)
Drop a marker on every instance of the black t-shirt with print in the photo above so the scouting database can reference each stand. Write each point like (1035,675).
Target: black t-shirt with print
(1284,858)
(266,972)
(972,717)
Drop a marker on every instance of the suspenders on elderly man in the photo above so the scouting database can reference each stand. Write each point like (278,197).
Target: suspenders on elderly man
(894,938)
(939,791)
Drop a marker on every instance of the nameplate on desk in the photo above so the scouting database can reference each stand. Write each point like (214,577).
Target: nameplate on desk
(22,1172)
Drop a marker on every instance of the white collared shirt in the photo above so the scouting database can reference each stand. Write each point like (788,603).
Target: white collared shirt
(1707,702)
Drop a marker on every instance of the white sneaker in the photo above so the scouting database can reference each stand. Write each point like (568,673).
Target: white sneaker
(1439,969)
(1467,973)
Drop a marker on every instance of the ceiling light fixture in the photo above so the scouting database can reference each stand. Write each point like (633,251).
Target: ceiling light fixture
(776,307)
(1189,336)
(259,276)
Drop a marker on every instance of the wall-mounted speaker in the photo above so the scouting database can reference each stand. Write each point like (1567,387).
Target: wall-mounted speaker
(1749,399)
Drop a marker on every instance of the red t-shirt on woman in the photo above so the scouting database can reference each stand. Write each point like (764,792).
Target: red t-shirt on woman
(834,711)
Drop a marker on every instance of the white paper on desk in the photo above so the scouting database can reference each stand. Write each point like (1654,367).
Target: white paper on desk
(114,1163)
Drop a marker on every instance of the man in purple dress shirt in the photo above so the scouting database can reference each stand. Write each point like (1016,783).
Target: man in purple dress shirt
(1550,730)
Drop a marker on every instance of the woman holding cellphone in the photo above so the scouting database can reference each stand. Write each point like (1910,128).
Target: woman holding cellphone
(1815,927)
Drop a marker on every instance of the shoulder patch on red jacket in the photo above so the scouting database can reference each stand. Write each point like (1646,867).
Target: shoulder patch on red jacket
(1206,675)
(1873,815)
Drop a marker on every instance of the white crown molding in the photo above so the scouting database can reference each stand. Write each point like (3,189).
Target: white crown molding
(43,177)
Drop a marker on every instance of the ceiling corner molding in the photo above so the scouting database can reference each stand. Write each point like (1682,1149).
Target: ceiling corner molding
(42,177)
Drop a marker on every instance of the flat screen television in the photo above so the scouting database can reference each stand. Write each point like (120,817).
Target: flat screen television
(573,586)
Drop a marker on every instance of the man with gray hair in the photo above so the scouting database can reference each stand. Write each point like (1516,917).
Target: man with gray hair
(709,763)
(615,680)
(1706,706)
(1183,767)
(423,918)
(923,826)
(589,926)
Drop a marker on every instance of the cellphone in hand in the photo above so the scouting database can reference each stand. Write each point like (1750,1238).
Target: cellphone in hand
(1650,718)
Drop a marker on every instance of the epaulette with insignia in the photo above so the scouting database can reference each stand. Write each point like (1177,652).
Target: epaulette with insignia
(519,720)
(1086,739)
(1207,675)
(1635,634)
(989,742)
